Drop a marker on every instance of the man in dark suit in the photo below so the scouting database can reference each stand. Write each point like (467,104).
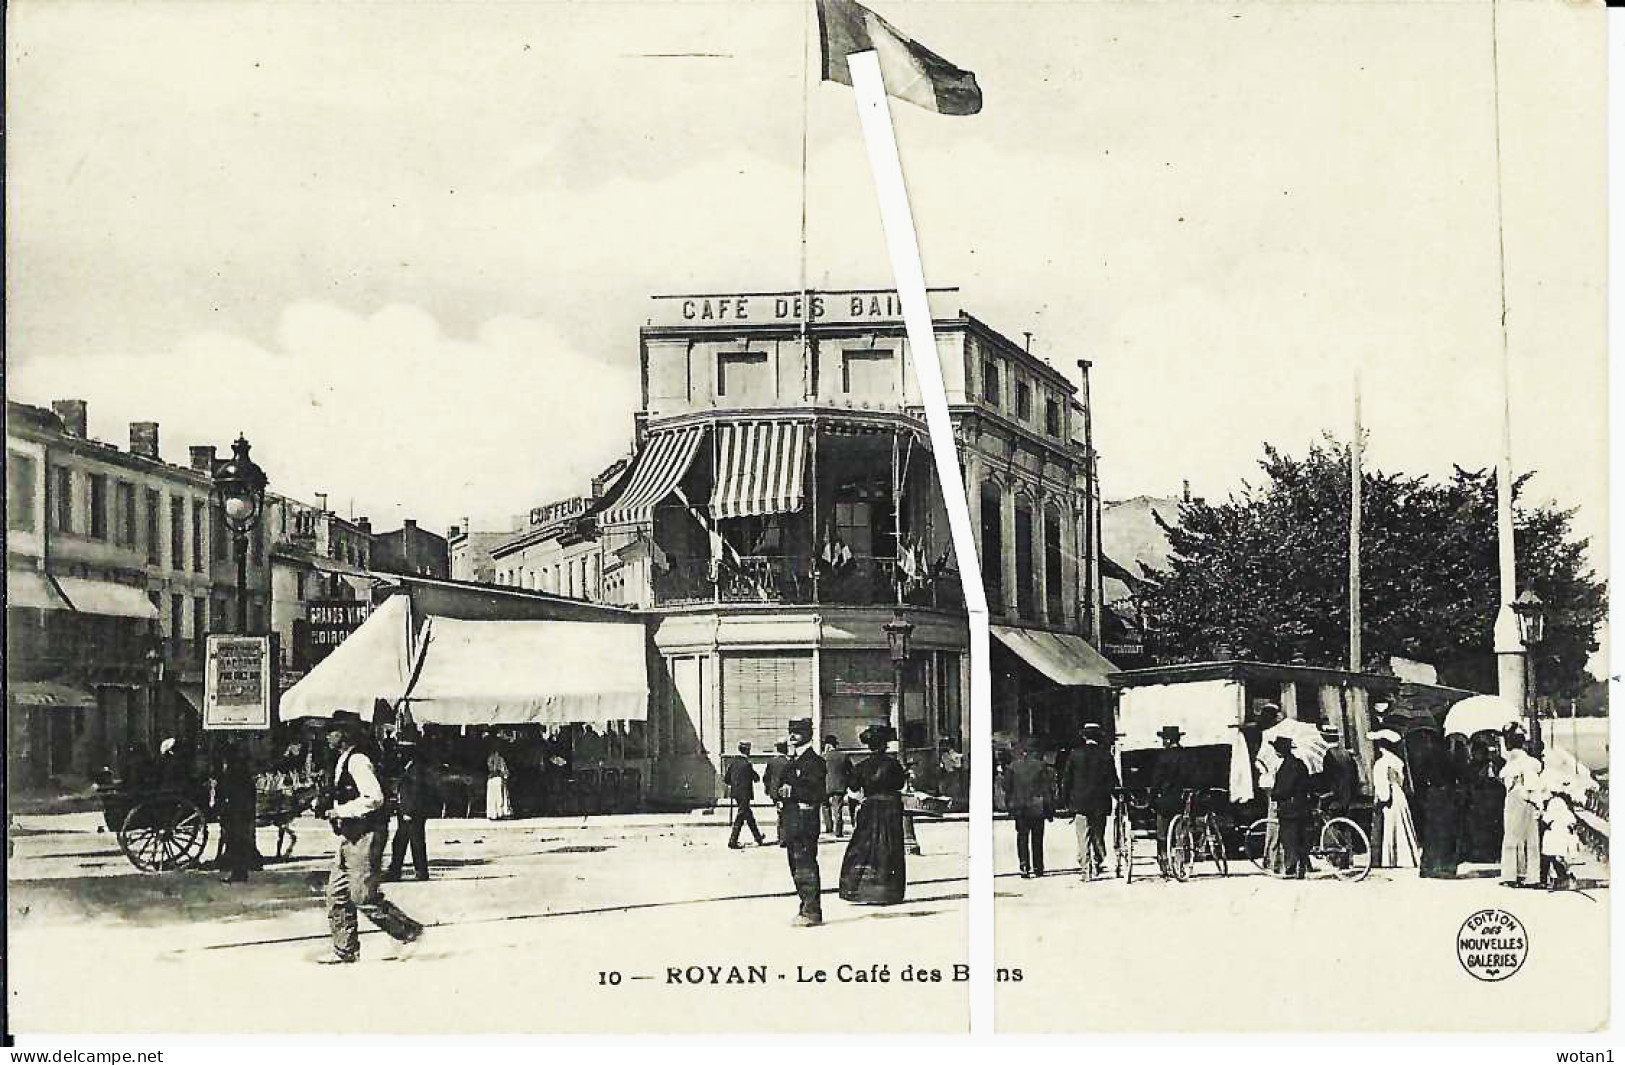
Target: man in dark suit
(740,778)
(1340,778)
(772,776)
(1088,784)
(413,802)
(801,793)
(1293,793)
(1172,776)
(1029,796)
(838,772)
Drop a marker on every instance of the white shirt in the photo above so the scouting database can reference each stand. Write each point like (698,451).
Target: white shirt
(370,795)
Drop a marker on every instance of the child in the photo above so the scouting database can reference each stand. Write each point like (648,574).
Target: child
(1558,845)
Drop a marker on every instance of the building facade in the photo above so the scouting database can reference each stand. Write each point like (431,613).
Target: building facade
(557,551)
(469,552)
(118,566)
(411,550)
(321,586)
(783,508)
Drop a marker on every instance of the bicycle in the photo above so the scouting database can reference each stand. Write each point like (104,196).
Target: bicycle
(1194,835)
(1341,845)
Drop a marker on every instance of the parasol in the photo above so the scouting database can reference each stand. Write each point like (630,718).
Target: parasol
(1307,744)
(1480,713)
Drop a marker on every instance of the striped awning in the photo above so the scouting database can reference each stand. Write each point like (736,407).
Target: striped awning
(759,468)
(665,458)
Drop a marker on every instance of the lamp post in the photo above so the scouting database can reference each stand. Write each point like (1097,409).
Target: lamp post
(898,630)
(239,491)
(1531,613)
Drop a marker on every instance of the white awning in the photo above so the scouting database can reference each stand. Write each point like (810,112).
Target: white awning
(759,468)
(1061,657)
(661,464)
(373,662)
(52,695)
(520,672)
(32,590)
(104,597)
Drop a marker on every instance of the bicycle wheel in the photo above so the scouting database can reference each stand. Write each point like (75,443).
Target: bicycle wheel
(1254,842)
(1180,847)
(1345,849)
(1215,844)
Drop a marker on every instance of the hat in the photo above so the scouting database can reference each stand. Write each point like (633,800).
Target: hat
(1283,742)
(345,719)
(1383,735)
(874,734)
(1170,732)
(167,746)
(1329,729)
(744,746)
(1092,728)
(801,726)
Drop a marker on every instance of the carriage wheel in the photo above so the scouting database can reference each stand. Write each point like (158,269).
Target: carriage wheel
(1215,844)
(1345,849)
(1180,846)
(163,834)
(1258,834)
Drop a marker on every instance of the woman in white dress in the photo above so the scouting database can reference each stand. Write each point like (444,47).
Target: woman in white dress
(1396,846)
(498,806)
(1520,821)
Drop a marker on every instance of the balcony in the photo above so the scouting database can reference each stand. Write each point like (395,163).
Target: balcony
(802,580)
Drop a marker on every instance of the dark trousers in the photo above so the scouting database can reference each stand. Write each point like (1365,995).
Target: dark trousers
(743,817)
(1164,819)
(1030,842)
(832,814)
(409,832)
(1294,846)
(800,828)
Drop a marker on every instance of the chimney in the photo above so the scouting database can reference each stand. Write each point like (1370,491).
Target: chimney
(202,458)
(365,525)
(409,523)
(75,415)
(454,532)
(321,502)
(1187,491)
(144,440)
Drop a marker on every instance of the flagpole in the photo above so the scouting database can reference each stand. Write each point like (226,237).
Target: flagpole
(1355,489)
(903,244)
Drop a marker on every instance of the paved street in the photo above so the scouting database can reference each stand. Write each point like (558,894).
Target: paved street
(524,916)
(1251,952)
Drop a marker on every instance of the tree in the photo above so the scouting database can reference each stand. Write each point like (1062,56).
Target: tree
(1265,574)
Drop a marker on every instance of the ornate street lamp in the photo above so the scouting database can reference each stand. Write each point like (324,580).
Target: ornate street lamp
(898,630)
(1531,613)
(239,492)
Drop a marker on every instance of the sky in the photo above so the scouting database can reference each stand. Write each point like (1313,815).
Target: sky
(406,248)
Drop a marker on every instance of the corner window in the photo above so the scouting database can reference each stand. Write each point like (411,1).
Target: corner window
(743,375)
(990,383)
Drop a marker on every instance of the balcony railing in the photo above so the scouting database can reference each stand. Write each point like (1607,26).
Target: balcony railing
(789,580)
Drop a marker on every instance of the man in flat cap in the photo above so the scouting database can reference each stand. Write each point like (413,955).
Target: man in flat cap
(801,795)
(360,821)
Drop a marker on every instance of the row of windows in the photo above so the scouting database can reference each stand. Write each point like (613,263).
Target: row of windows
(123,518)
(747,375)
(992,550)
(575,578)
(190,617)
(993,396)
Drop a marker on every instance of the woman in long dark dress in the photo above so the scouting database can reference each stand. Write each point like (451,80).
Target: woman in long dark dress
(1438,801)
(873,870)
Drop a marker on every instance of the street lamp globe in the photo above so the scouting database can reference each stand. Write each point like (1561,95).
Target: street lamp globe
(1531,611)
(239,484)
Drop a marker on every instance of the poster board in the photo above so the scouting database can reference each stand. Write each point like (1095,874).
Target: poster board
(237,687)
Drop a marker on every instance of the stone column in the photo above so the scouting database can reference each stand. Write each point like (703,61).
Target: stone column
(1040,560)
(1007,545)
(1069,568)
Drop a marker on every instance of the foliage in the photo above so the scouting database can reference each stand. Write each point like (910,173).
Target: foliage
(1265,573)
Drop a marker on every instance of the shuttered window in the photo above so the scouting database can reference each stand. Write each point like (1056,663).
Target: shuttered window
(761,692)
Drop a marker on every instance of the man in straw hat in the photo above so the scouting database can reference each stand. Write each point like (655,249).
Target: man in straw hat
(1293,793)
(801,795)
(1170,779)
(360,821)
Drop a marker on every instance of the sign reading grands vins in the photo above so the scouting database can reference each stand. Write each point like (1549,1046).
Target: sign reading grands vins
(783,308)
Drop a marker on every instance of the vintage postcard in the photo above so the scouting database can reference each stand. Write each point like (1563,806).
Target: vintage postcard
(1340,271)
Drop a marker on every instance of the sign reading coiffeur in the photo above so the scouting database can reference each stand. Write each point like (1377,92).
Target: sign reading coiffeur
(237,685)
(781,308)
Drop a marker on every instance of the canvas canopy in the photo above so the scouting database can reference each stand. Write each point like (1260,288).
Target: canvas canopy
(373,662)
(1208,712)
(1061,657)
(530,672)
